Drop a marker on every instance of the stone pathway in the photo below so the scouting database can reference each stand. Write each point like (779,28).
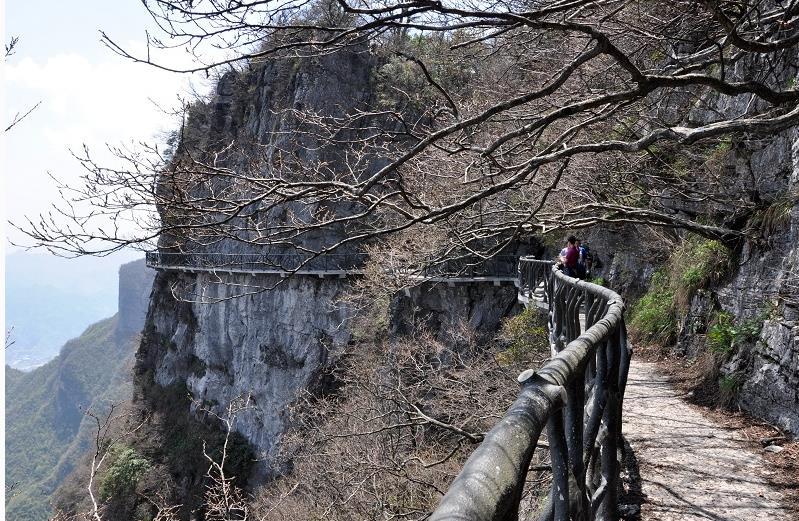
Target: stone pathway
(691,468)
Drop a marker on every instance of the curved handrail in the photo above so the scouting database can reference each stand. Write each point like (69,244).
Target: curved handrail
(534,275)
(576,395)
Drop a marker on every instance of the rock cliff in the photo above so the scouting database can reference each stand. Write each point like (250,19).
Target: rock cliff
(135,285)
(274,344)
(764,288)
(269,345)
(259,335)
(760,289)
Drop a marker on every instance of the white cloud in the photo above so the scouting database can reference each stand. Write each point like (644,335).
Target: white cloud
(82,102)
(109,100)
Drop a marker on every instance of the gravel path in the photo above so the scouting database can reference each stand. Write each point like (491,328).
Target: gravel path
(691,468)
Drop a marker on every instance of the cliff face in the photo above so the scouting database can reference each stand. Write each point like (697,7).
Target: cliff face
(449,310)
(135,285)
(269,345)
(761,290)
(264,337)
(265,121)
(765,288)
(259,335)
(273,345)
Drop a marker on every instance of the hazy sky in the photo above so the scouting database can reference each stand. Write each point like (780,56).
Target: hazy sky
(89,94)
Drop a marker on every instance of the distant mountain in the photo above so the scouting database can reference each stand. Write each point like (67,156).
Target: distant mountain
(46,430)
(50,300)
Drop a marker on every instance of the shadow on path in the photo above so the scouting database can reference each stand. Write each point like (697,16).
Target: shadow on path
(690,467)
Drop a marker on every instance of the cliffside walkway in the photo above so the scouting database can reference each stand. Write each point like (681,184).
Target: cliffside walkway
(691,468)
(496,270)
(576,396)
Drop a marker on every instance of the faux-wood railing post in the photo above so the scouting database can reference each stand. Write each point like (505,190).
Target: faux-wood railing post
(558,451)
(574,412)
(610,442)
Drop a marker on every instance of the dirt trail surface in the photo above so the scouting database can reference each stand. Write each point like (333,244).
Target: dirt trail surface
(692,468)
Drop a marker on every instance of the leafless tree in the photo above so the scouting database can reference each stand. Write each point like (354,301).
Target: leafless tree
(496,121)
(19,116)
(224,499)
(12,43)
(406,416)
(10,340)
(105,436)
(11,47)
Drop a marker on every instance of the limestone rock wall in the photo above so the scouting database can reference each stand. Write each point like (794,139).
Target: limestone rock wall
(446,309)
(763,287)
(274,344)
(766,288)
(135,284)
(269,345)
(264,337)
(228,336)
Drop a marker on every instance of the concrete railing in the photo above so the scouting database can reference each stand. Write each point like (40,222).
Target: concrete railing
(576,396)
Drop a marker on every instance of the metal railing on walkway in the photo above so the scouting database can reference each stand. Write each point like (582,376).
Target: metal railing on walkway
(256,262)
(503,266)
(499,266)
(577,396)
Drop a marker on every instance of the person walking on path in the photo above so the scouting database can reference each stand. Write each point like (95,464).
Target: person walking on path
(569,256)
(583,261)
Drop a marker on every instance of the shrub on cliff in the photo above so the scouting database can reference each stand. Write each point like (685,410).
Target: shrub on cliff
(653,316)
(695,264)
(125,467)
(727,333)
(527,338)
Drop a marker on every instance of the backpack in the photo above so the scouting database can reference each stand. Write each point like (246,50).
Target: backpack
(587,256)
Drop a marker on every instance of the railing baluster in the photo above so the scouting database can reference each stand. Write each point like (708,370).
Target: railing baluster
(574,413)
(558,455)
(610,474)
(577,395)
(596,407)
